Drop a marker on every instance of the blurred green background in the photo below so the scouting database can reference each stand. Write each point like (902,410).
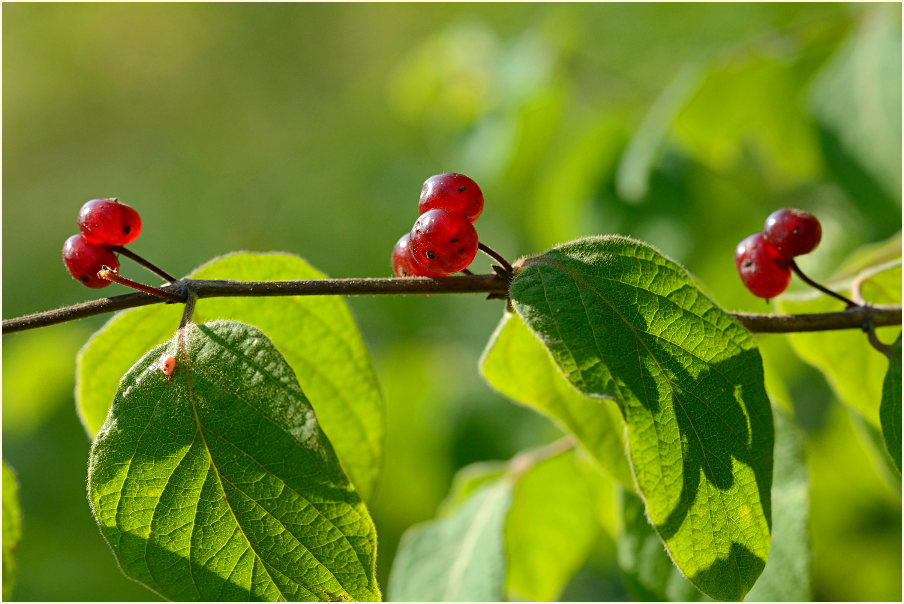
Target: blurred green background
(309,128)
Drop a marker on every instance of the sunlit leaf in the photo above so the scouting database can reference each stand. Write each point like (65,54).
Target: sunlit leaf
(516,364)
(219,484)
(12,529)
(316,334)
(624,322)
(458,557)
(650,575)
(853,368)
(890,409)
(550,529)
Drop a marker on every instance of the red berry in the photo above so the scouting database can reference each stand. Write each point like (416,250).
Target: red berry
(108,222)
(762,268)
(83,259)
(403,264)
(454,192)
(792,232)
(443,241)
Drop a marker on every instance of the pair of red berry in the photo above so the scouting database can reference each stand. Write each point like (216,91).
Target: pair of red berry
(443,240)
(104,224)
(764,260)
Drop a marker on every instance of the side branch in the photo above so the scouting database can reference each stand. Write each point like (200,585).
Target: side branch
(857,317)
(853,318)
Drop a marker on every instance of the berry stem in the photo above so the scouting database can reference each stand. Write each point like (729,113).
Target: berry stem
(850,303)
(497,257)
(145,263)
(109,275)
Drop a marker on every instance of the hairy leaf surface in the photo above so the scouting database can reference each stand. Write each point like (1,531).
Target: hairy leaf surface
(12,529)
(316,334)
(624,322)
(516,364)
(890,409)
(218,484)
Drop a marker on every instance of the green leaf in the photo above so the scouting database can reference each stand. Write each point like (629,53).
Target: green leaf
(650,575)
(853,368)
(550,529)
(12,529)
(890,409)
(316,334)
(646,568)
(218,484)
(787,576)
(516,364)
(468,480)
(624,322)
(456,558)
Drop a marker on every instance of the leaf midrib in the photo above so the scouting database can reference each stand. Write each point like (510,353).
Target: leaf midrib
(199,431)
(281,385)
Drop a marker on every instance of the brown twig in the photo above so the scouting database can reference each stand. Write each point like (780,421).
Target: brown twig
(852,318)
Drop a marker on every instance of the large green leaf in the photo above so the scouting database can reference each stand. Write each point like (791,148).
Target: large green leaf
(550,529)
(624,322)
(458,557)
(12,529)
(853,368)
(890,409)
(218,484)
(650,575)
(516,364)
(316,334)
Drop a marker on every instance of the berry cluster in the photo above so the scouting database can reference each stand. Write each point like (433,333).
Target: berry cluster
(443,240)
(765,260)
(104,225)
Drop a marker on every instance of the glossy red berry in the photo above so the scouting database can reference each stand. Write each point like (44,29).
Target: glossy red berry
(108,222)
(443,241)
(451,191)
(403,264)
(762,268)
(792,232)
(83,259)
